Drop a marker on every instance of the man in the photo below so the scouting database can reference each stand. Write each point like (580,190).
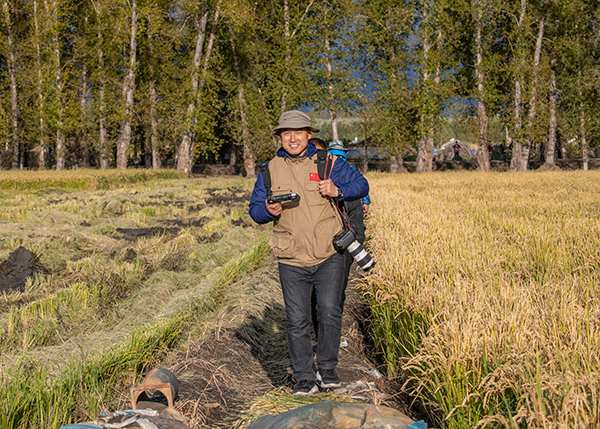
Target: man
(301,240)
(355,211)
(456,148)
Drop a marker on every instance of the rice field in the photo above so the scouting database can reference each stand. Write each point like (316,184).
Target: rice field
(485,299)
(134,263)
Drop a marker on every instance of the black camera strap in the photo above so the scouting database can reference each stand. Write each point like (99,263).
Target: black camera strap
(266,175)
(325,162)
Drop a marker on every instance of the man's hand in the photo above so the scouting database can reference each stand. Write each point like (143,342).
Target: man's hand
(327,188)
(365,208)
(274,209)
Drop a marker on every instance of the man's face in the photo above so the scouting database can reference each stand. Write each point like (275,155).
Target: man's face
(295,141)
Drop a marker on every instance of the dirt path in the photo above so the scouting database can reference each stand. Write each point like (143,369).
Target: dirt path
(243,356)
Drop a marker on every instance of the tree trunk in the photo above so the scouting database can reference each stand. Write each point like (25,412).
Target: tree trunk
(40,88)
(184,159)
(288,54)
(483,155)
(153,121)
(515,161)
(14,107)
(585,148)
(397,164)
(550,150)
(59,84)
(249,158)
(425,145)
(103,143)
(532,99)
(211,41)
(128,87)
(83,133)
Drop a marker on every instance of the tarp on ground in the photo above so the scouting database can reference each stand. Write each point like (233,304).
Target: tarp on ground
(164,418)
(337,415)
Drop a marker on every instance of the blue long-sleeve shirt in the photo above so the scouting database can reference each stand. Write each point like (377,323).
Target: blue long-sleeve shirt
(348,179)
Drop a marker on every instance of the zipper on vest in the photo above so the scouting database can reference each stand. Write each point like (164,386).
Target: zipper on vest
(301,232)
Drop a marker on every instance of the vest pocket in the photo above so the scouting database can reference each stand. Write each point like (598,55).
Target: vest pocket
(324,233)
(316,199)
(282,243)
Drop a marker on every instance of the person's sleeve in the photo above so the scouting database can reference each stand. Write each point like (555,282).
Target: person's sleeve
(366,200)
(258,210)
(349,180)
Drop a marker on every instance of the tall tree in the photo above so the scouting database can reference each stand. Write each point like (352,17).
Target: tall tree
(249,158)
(103,148)
(385,31)
(52,10)
(430,81)
(552,123)
(12,76)
(124,139)
(522,137)
(184,159)
(40,87)
(482,154)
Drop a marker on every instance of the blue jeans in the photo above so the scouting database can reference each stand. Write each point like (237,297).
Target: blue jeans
(297,284)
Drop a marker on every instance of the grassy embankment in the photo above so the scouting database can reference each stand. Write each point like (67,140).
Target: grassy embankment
(113,303)
(485,296)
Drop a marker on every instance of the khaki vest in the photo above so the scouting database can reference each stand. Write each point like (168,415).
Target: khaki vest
(303,234)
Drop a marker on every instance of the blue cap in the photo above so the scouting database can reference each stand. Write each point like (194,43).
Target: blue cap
(341,153)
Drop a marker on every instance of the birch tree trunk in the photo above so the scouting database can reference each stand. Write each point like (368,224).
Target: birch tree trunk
(532,99)
(152,87)
(483,155)
(515,161)
(550,149)
(425,145)
(83,134)
(211,41)
(103,143)
(249,158)
(58,85)
(585,148)
(128,88)
(14,107)
(40,88)
(184,161)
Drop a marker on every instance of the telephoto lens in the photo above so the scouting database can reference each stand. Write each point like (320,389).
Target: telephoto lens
(361,256)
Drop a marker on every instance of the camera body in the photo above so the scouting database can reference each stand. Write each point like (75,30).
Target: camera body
(282,198)
(345,241)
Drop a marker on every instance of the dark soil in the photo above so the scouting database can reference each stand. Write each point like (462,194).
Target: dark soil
(20,265)
(135,233)
(229,196)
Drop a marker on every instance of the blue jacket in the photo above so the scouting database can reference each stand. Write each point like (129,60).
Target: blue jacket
(350,181)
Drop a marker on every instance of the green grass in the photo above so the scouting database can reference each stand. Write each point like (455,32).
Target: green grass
(31,397)
(85,179)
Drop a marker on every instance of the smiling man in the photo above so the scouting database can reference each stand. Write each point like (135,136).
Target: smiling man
(302,242)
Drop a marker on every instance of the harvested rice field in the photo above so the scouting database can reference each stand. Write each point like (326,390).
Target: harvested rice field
(105,276)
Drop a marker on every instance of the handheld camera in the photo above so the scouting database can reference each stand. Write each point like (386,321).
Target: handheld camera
(282,198)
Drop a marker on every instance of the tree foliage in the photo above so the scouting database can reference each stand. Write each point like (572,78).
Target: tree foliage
(403,66)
